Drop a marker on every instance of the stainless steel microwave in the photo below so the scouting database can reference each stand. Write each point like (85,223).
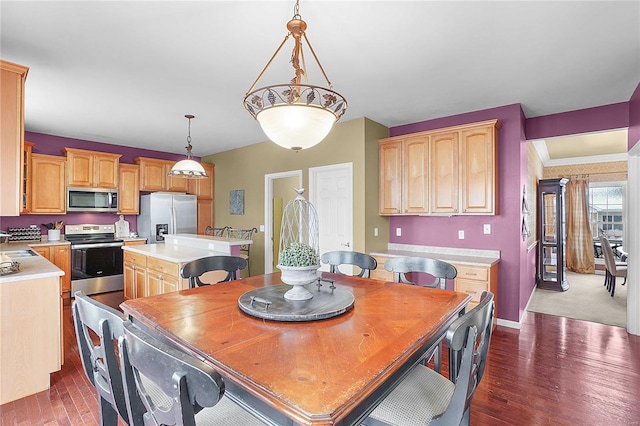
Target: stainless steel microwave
(95,200)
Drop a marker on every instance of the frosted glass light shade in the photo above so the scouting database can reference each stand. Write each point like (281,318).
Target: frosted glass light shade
(296,126)
(188,169)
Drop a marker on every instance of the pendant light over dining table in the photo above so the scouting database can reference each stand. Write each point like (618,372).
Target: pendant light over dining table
(295,115)
(188,168)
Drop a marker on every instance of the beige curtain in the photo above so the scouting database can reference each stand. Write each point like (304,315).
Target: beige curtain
(579,255)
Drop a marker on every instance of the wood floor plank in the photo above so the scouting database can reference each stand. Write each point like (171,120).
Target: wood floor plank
(553,371)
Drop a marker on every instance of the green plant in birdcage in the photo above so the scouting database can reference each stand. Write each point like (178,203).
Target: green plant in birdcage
(298,254)
(299,257)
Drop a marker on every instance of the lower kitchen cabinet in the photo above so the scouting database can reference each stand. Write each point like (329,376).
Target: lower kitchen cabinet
(473,280)
(148,276)
(59,255)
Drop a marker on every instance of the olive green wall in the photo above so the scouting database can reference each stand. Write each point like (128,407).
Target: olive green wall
(353,141)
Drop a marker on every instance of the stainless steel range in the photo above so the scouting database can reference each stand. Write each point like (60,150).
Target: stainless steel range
(96,258)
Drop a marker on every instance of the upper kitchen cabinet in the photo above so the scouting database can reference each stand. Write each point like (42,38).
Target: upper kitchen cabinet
(154,176)
(440,172)
(479,169)
(203,187)
(47,184)
(92,169)
(12,79)
(129,189)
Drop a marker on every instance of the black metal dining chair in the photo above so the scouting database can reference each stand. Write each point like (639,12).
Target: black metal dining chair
(363,261)
(99,360)
(194,270)
(425,397)
(186,390)
(438,269)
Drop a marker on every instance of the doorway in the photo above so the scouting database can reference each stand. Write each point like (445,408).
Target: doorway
(278,190)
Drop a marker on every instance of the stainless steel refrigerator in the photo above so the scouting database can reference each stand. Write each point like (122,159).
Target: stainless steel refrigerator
(164,213)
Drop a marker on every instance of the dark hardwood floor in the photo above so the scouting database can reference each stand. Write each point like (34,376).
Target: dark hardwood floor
(553,371)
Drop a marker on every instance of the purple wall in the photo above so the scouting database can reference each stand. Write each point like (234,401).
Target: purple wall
(505,227)
(53,145)
(606,117)
(634,118)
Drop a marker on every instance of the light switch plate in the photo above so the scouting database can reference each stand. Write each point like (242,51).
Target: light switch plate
(375,232)
(487,228)
(261,228)
(398,232)
(461,235)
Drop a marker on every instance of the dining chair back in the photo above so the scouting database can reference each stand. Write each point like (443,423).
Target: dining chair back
(245,249)
(613,267)
(363,261)
(194,270)
(186,390)
(427,397)
(99,360)
(216,232)
(438,269)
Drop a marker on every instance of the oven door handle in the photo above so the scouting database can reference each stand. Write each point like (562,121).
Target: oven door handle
(96,245)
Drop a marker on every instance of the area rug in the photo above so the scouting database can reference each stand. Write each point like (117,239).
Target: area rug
(587,299)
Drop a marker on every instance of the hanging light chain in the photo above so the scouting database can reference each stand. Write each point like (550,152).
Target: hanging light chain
(189,147)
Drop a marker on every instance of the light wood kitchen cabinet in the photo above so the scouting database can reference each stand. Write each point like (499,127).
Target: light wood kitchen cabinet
(154,176)
(31,336)
(440,172)
(479,170)
(390,176)
(473,280)
(47,184)
(380,273)
(205,214)
(135,275)
(12,80)
(129,189)
(91,168)
(162,276)
(444,179)
(26,177)
(59,255)
(203,188)
(148,275)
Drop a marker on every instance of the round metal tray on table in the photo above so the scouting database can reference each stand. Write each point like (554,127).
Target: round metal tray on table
(269,303)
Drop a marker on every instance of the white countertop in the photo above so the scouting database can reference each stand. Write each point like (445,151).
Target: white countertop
(470,257)
(32,267)
(171,252)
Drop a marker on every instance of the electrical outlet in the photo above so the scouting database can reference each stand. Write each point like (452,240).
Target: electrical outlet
(398,232)
(375,232)
(461,235)
(487,228)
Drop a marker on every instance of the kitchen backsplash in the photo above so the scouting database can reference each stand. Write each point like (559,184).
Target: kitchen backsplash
(68,219)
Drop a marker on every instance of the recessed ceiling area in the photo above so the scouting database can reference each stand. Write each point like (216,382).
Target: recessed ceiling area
(587,148)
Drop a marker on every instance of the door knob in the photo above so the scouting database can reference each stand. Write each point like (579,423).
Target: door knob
(345,244)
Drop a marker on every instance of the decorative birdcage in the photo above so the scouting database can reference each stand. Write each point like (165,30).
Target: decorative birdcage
(299,257)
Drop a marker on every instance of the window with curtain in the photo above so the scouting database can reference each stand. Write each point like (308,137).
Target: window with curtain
(606,200)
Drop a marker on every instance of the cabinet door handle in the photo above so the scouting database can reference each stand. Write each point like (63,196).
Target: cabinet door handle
(160,277)
(133,267)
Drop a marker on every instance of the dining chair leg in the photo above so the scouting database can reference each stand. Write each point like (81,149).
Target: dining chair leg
(613,285)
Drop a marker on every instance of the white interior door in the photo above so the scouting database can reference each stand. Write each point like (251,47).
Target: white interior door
(331,193)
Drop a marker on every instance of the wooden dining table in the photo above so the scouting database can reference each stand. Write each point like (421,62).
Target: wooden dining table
(325,372)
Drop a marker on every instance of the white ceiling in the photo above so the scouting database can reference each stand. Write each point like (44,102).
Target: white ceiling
(126,73)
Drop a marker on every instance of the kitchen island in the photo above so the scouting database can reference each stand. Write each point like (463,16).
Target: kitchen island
(151,269)
(30,324)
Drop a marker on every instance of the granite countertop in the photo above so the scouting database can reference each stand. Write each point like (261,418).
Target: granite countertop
(171,252)
(471,257)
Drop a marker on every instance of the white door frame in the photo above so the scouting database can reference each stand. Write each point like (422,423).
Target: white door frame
(268,213)
(632,242)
